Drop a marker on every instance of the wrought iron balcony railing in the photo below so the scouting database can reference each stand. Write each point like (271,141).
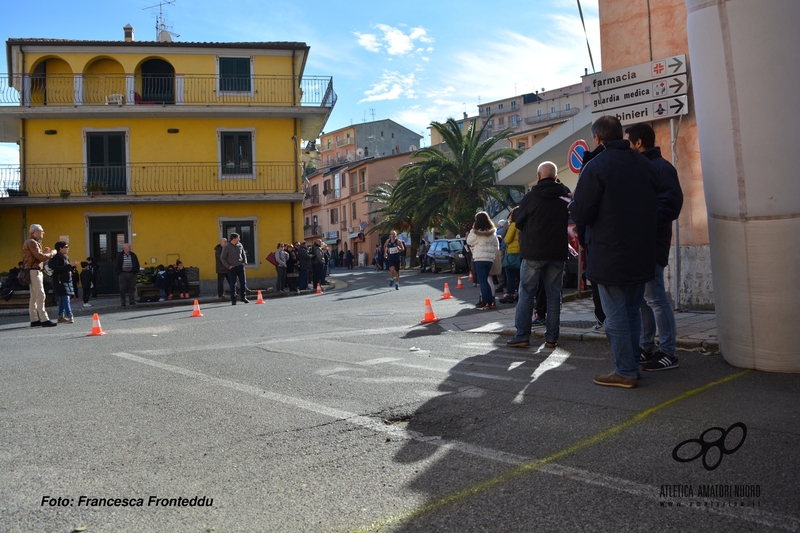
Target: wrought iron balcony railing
(138,179)
(181,89)
(552,116)
(312,231)
(312,199)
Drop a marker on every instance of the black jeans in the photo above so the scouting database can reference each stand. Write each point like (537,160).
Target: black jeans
(221,284)
(233,274)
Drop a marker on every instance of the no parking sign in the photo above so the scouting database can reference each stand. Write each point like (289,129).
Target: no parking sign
(575,155)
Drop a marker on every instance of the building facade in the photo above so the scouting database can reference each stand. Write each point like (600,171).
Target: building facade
(166,145)
(378,138)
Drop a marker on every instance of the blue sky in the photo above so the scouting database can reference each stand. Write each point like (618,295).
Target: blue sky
(411,61)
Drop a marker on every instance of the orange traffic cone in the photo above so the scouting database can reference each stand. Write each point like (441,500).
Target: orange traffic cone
(260,300)
(196,311)
(470,276)
(446,294)
(460,285)
(429,316)
(97,330)
(319,289)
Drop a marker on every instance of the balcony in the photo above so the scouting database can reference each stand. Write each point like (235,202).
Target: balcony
(311,200)
(312,231)
(121,90)
(552,116)
(344,142)
(147,179)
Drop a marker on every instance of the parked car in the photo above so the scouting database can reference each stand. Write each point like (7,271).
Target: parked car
(447,254)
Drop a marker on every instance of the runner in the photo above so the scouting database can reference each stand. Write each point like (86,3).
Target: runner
(392,250)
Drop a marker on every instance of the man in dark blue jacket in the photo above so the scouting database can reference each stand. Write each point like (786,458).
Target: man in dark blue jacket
(542,223)
(616,200)
(655,308)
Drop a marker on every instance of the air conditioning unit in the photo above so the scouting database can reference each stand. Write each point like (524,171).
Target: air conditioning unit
(349,229)
(324,235)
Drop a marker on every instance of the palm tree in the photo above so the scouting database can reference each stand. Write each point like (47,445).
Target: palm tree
(452,183)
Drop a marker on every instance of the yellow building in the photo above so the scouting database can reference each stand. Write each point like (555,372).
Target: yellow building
(166,145)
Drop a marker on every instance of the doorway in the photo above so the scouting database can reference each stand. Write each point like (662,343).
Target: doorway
(106,237)
(158,82)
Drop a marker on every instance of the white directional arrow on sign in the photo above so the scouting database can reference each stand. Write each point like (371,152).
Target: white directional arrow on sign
(641,92)
(669,107)
(662,68)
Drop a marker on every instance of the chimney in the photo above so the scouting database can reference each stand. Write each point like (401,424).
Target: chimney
(465,114)
(128,33)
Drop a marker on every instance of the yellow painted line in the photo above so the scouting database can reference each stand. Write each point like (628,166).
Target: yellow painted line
(533,465)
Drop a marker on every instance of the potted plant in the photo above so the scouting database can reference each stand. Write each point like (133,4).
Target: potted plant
(326,192)
(95,188)
(17,192)
(64,194)
(307,226)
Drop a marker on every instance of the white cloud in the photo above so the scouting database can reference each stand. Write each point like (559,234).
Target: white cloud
(9,154)
(393,40)
(391,86)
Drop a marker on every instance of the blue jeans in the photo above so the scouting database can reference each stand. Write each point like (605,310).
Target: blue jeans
(623,325)
(302,279)
(64,307)
(482,269)
(656,311)
(551,273)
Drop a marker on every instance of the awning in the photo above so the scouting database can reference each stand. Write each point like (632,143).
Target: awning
(330,241)
(554,147)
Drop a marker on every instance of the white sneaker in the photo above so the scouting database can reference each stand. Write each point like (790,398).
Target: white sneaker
(161,299)
(87,305)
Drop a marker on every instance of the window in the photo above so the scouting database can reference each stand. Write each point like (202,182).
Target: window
(513,105)
(336,185)
(329,143)
(344,176)
(514,121)
(461,126)
(326,187)
(234,74)
(334,214)
(236,152)
(568,106)
(329,158)
(105,161)
(353,182)
(362,183)
(499,107)
(353,210)
(246,228)
(538,112)
(552,109)
(501,121)
(344,213)
(488,110)
(521,145)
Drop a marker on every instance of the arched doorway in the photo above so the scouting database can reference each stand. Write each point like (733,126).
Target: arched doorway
(158,82)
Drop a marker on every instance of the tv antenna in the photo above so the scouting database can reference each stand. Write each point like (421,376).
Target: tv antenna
(162,33)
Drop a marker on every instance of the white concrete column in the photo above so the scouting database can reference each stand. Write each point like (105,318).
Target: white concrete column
(130,89)
(743,63)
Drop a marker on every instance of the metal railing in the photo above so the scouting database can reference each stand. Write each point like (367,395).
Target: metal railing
(312,199)
(145,179)
(313,231)
(551,116)
(183,89)
(344,142)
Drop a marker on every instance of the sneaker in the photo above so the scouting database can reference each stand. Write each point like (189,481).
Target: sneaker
(36,323)
(660,361)
(61,319)
(615,380)
(161,299)
(391,283)
(598,328)
(646,356)
(49,324)
(69,319)
(538,322)
(87,305)
(518,342)
(397,287)
(245,300)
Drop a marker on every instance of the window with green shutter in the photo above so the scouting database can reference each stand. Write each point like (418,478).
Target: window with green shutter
(237,152)
(234,74)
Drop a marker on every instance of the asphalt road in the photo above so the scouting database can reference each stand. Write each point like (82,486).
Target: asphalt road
(340,412)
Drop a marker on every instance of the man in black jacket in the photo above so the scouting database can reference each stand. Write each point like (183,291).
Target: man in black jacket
(616,200)
(655,309)
(541,219)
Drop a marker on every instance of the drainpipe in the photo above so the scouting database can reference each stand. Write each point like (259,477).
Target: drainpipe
(296,147)
(294,85)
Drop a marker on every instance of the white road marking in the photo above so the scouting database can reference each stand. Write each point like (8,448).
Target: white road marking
(750,514)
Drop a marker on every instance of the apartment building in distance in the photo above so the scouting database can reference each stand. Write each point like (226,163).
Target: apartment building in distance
(166,145)
(378,138)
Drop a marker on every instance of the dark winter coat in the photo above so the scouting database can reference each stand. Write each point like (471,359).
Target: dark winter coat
(62,275)
(303,258)
(541,220)
(616,199)
(670,201)
(221,269)
(121,260)
(317,257)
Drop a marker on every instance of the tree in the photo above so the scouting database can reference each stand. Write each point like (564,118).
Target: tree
(444,187)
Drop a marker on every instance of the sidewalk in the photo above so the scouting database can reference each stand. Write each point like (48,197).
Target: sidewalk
(695,330)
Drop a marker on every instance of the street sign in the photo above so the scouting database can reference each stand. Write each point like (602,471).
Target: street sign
(607,100)
(363,224)
(650,111)
(671,66)
(641,93)
(575,155)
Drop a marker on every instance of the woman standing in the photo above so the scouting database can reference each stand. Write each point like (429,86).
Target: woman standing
(512,260)
(62,281)
(483,240)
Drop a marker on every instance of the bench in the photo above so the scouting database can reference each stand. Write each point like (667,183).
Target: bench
(21,299)
(150,291)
